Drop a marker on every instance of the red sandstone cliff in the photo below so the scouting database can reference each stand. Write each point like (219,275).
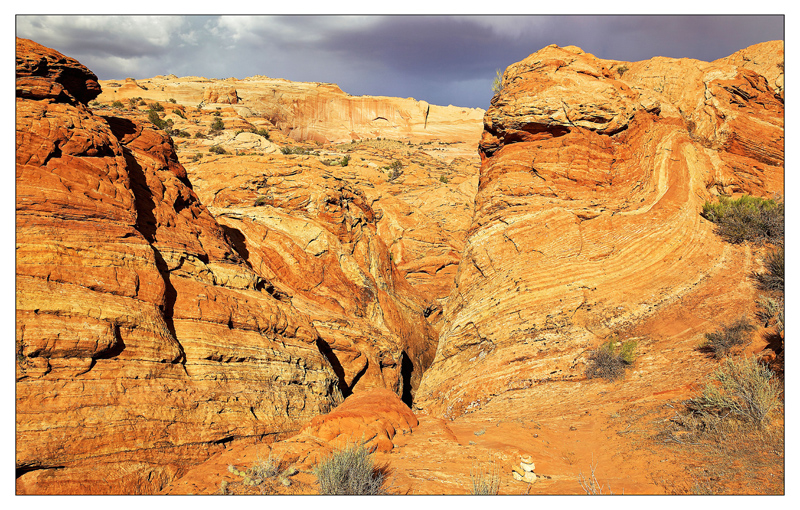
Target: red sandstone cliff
(587,215)
(144,341)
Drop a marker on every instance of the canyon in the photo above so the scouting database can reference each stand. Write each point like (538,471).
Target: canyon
(294,269)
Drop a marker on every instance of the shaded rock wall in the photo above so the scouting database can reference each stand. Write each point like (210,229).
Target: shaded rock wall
(587,216)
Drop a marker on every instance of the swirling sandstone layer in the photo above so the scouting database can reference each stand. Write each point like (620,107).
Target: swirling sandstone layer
(587,219)
(144,342)
(313,235)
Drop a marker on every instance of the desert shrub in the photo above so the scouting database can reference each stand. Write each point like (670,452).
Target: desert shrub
(260,132)
(172,100)
(180,133)
(497,84)
(349,471)
(741,388)
(297,150)
(747,218)
(345,161)
(157,107)
(180,114)
(266,468)
(216,149)
(622,69)
(217,125)
(728,337)
(117,104)
(443,179)
(153,117)
(773,278)
(771,312)
(590,485)
(610,360)
(142,102)
(260,201)
(484,482)
(200,134)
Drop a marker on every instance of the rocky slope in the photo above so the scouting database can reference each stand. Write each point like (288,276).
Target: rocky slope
(183,315)
(587,216)
(144,341)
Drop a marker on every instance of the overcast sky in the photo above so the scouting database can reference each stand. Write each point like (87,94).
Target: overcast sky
(440,59)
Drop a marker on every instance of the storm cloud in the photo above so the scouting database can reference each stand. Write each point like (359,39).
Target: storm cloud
(439,59)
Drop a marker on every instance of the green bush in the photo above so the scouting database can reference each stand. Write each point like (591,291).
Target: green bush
(117,104)
(443,179)
(216,149)
(728,336)
(349,471)
(260,201)
(172,100)
(741,388)
(747,218)
(217,125)
(610,360)
(157,107)
(297,150)
(180,114)
(260,132)
(153,117)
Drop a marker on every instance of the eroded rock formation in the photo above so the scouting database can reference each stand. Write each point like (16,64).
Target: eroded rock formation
(144,341)
(587,216)
(319,112)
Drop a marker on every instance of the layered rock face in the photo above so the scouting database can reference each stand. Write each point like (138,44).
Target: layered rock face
(319,112)
(587,219)
(144,342)
(313,235)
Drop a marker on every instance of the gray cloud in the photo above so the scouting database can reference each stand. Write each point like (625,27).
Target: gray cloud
(443,60)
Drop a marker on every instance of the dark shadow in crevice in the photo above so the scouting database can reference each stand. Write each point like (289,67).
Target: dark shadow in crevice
(143,198)
(406,371)
(113,351)
(237,241)
(358,376)
(21,470)
(147,225)
(326,351)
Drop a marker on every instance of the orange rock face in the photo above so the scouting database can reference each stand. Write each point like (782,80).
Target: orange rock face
(179,321)
(144,342)
(587,214)
(313,235)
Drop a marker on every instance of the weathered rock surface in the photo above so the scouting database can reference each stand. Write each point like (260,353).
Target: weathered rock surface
(313,234)
(319,112)
(374,418)
(587,216)
(145,343)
